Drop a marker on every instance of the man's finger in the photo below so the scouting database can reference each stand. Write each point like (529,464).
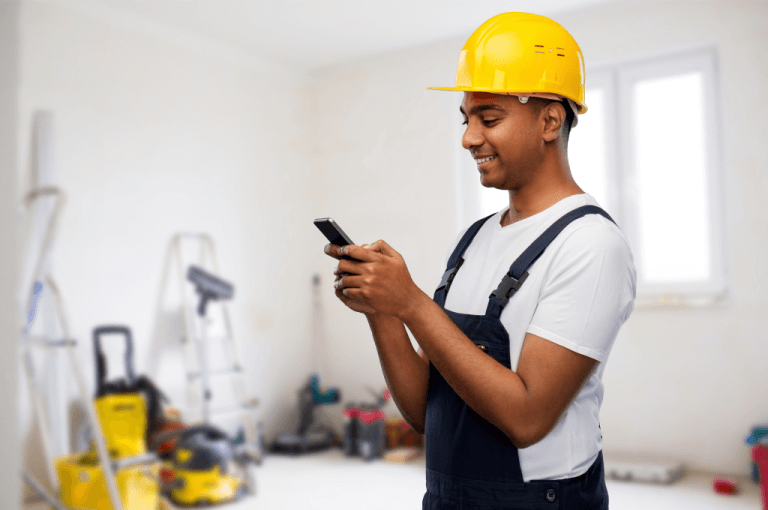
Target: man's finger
(348,266)
(383,248)
(351,280)
(355,294)
(332,251)
(359,253)
(354,304)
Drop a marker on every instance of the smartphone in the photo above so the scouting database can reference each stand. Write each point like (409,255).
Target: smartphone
(334,234)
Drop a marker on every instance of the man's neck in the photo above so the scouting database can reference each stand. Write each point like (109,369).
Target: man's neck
(539,196)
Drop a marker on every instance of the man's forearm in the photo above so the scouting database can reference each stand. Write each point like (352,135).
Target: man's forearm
(406,373)
(493,391)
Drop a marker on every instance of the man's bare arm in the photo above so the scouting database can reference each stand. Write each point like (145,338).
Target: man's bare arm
(524,405)
(405,371)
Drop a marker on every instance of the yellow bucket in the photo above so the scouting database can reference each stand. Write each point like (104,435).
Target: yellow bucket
(83,486)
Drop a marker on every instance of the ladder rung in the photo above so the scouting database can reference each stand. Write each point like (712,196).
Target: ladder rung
(138,459)
(235,409)
(225,371)
(184,339)
(50,342)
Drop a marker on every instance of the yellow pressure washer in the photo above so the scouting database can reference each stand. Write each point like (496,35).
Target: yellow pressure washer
(128,411)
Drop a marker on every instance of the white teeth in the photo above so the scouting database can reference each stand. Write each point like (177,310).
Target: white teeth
(484,159)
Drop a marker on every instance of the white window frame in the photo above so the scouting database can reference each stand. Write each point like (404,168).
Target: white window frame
(605,79)
(616,80)
(625,74)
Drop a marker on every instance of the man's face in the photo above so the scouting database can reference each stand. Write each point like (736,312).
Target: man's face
(503,129)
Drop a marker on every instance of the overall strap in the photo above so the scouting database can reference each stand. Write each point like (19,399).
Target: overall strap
(518,272)
(456,260)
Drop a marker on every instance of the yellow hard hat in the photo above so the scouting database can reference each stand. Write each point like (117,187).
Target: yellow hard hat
(522,54)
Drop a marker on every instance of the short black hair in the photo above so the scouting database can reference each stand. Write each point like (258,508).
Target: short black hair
(569,115)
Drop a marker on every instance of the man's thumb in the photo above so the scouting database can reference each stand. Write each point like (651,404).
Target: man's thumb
(384,248)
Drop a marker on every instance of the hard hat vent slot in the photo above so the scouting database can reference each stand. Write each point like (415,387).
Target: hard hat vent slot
(560,55)
(539,45)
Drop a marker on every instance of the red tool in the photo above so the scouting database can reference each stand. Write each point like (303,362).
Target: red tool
(171,422)
(724,485)
(760,455)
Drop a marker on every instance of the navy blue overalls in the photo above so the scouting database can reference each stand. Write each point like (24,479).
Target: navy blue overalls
(471,464)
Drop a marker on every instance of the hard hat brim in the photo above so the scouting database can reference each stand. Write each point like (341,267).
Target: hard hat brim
(582,107)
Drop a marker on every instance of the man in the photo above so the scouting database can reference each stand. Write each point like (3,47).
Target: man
(507,383)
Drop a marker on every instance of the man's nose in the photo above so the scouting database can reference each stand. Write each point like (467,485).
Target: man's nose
(471,137)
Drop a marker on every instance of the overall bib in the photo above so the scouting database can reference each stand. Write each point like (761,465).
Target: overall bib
(471,464)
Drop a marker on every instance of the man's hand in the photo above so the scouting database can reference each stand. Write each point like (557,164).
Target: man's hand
(352,304)
(380,281)
(358,306)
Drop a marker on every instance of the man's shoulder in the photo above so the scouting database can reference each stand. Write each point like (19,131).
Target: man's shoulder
(593,241)
(595,231)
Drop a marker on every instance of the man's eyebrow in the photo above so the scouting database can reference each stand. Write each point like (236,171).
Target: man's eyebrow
(481,108)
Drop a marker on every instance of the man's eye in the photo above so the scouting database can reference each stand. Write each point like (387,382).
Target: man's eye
(465,122)
(489,121)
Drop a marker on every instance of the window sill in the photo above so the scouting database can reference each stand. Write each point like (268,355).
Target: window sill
(679,301)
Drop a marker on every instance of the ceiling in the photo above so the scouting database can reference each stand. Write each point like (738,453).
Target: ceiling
(310,34)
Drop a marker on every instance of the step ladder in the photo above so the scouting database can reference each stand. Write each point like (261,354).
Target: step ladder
(215,394)
(32,289)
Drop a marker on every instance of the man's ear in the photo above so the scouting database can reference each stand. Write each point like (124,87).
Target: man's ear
(554,117)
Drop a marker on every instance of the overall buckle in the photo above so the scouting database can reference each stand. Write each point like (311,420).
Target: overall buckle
(508,287)
(449,275)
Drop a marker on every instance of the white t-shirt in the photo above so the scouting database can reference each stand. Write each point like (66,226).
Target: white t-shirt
(578,294)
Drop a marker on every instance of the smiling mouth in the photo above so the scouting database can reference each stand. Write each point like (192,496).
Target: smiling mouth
(484,160)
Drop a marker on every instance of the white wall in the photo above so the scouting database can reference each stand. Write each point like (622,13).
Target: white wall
(158,132)
(9,215)
(384,155)
(683,384)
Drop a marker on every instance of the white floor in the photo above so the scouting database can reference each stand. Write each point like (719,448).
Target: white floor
(329,480)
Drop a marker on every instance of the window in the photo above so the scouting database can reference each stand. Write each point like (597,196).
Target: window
(648,151)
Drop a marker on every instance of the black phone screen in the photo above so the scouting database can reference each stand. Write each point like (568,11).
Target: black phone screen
(334,234)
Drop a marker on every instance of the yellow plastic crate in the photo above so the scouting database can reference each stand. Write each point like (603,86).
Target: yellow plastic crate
(83,485)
